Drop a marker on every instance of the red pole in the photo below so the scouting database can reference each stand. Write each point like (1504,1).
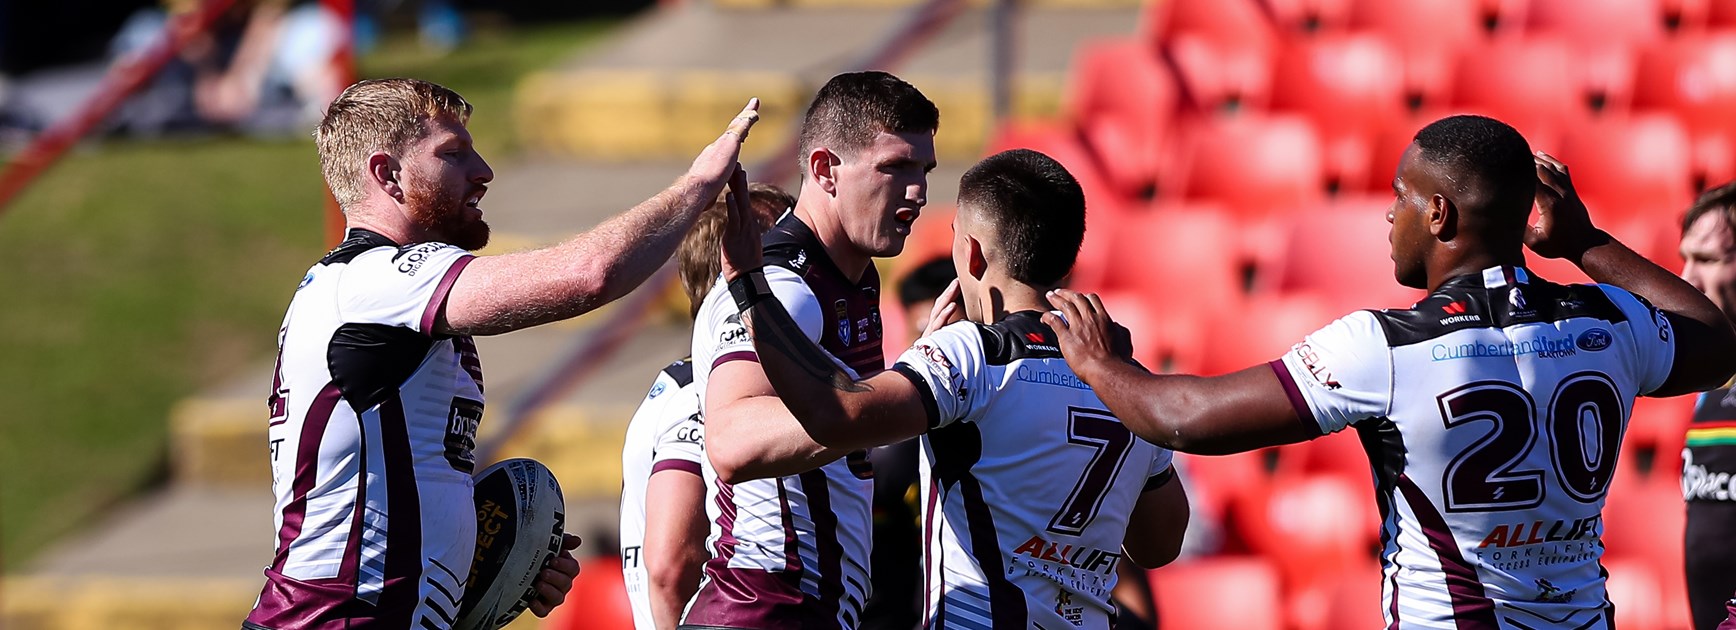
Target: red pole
(124,77)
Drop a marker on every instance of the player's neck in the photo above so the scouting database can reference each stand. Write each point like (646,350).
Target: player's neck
(1001,296)
(1471,263)
(826,227)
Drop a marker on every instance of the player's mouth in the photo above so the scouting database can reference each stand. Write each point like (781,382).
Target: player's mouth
(903,219)
(474,199)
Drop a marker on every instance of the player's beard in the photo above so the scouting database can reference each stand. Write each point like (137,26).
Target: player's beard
(441,212)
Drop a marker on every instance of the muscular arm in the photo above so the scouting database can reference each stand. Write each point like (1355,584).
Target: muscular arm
(1705,345)
(674,547)
(1154,530)
(1236,412)
(499,294)
(749,434)
(835,409)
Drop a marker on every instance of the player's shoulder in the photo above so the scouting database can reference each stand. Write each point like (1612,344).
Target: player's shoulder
(791,245)
(1021,335)
(356,243)
(680,373)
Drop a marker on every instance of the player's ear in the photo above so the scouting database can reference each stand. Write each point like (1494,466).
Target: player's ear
(821,163)
(1442,217)
(977,259)
(384,172)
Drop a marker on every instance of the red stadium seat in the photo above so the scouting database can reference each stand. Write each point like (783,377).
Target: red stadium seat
(1536,85)
(1178,256)
(1351,87)
(1636,591)
(1644,520)
(1339,455)
(1428,61)
(598,600)
(1224,484)
(1166,336)
(1309,16)
(1231,22)
(1352,599)
(1721,13)
(1261,331)
(1658,427)
(1214,593)
(1257,165)
(1122,99)
(1315,527)
(1695,76)
(1214,75)
(1599,22)
(1639,165)
(1338,251)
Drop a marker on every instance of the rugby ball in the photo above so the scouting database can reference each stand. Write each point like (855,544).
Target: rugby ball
(520,517)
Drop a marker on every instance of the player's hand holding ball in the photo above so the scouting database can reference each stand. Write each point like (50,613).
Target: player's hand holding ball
(554,582)
(1563,228)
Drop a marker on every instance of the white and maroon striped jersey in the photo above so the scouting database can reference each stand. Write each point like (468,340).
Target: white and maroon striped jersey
(791,552)
(1028,481)
(1492,412)
(373,418)
(664,434)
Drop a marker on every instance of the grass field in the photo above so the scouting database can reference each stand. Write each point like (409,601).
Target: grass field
(138,272)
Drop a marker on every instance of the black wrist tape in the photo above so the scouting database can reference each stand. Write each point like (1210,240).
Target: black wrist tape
(749,289)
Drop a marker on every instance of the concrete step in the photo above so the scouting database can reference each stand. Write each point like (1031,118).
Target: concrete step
(639,97)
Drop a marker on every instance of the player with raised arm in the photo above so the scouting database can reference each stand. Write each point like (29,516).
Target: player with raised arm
(378,388)
(791,519)
(1492,411)
(1033,492)
(663,524)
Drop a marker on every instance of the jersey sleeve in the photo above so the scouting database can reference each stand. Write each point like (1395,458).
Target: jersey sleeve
(1654,342)
(681,436)
(728,339)
(1162,469)
(402,286)
(949,369)
(1340,374)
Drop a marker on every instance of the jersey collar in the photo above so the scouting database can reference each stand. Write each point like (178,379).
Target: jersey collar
(1502,275)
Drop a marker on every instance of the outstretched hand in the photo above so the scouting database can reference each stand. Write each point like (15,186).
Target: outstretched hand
(1089,338)
(714,166)
(741,230)
(553,584)
(1563,228)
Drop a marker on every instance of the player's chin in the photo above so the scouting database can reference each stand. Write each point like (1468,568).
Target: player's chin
(891,242)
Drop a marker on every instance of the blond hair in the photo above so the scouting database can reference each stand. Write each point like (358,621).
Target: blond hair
(377,115)
(696,259)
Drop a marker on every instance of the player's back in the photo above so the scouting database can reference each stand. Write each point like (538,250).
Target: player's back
(1492,413)
(1028,481)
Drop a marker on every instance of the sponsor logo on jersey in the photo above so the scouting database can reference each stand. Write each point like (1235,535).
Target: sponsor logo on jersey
(305,280)
(1069,555)
(460,440)
(1540,346)
(1537,532)
(693,434)
(1064,606)
(1702,484)
(1594,340)
(841,313)
(656,390)
(1549,594)
(862,329)
(1034,337)
(1454,308)
(1311,360)
(1027,374)
(732,332)
(410,260)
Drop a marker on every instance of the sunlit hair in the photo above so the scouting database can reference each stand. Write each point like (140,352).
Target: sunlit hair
(853,107)
(377,115)
(1721,200)
(696,259)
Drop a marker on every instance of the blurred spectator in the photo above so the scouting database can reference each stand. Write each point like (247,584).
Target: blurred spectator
(1709,461)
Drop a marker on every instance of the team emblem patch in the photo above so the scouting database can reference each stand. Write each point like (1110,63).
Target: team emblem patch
(841,312)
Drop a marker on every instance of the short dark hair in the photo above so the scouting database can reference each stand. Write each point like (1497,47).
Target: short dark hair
(1491,155)
(696,258)
(852,107)
(926,282)
(1720,199)
(1037,208)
